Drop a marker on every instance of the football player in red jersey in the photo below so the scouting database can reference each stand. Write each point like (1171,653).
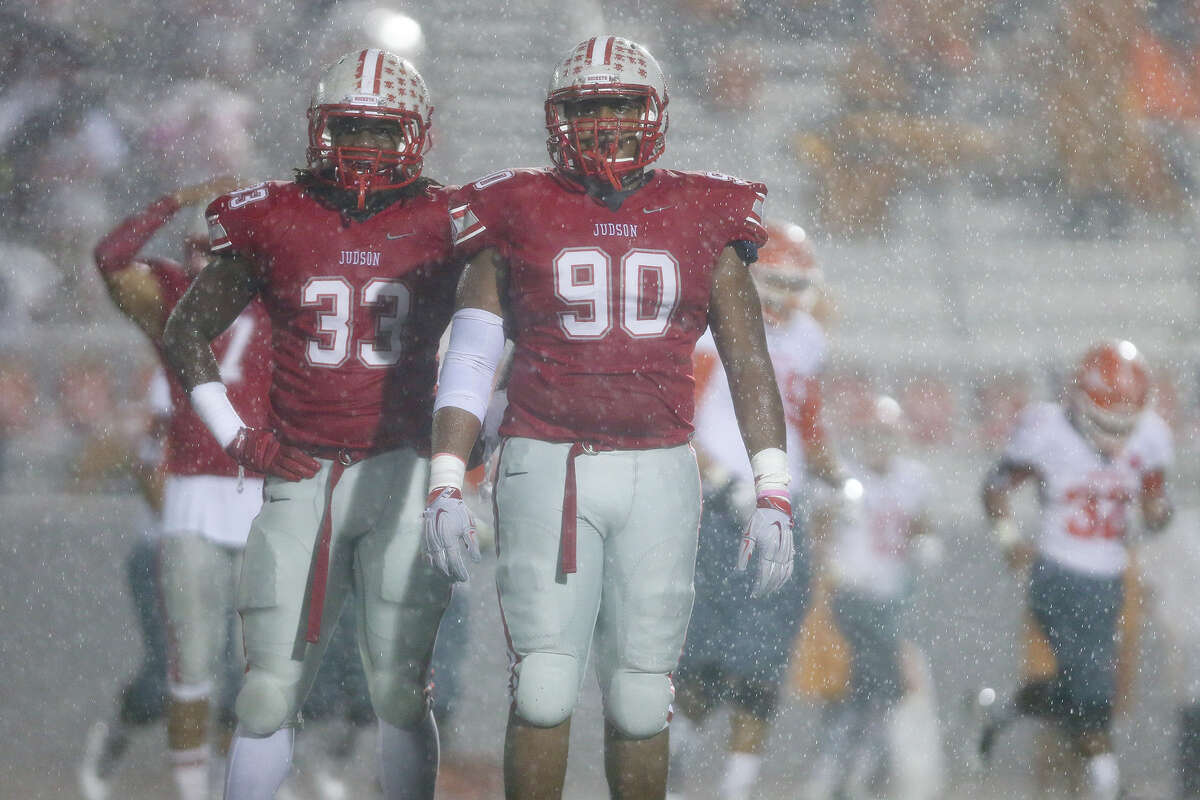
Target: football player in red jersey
(207,507)
(353,261)
(604,273)
(1095,457)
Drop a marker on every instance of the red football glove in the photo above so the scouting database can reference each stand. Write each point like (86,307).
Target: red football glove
(259,450)
(770,534)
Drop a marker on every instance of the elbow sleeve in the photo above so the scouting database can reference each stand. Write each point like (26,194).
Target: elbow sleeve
(469,366)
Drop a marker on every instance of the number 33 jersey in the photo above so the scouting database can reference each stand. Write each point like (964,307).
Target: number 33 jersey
(356,307)
(605,306)
(1086,500)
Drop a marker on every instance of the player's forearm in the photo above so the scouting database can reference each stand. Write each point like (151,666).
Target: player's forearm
(189,352)
(454,433)
(1157,508)
(757,403)
(120,247)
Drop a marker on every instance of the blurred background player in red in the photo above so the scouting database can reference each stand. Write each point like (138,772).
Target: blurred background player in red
(208,502)
(606,273)
(738,647)
(352,260)
(1096,457)
(864,542)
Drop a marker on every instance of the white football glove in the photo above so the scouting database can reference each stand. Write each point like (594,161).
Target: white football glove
(448,534)
(770,534)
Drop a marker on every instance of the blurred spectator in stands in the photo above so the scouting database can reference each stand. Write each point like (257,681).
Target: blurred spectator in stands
(735,77)
(1166,84)
(199,130)
(73,217)
(37,69)
(1109,164)
(892,126)
(27,275)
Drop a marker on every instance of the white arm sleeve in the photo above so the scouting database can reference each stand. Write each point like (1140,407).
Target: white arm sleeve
(469,367)
(211,402)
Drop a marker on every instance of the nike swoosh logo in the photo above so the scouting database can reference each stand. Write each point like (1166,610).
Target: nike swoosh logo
(655,210)
(277,499)
(398,235)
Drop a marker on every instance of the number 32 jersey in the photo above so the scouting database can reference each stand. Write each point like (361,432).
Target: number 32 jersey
(1086,500)
(605,306)
(357,308)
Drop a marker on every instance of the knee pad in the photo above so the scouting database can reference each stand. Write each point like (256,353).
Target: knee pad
(638,702)
(547,685)
(397,698)
(265,704)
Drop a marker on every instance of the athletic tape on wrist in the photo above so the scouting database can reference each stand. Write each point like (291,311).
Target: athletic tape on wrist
(447,469)
(770,467)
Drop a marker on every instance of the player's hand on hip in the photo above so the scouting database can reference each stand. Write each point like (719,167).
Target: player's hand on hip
(768,539)
(258,450)
(448,533)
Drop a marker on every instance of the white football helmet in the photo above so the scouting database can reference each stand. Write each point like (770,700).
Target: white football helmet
(371,84)
(786,274)
(1109,391)
(606,66)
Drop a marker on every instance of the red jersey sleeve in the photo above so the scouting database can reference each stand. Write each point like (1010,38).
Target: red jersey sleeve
(233,219)
(479,211)
(741,204)
(122,244)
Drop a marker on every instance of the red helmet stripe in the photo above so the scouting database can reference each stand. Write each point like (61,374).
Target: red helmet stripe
(378,73)
(370,70)
(599,50)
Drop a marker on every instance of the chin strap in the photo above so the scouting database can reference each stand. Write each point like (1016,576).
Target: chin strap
(613,178)
(363,182)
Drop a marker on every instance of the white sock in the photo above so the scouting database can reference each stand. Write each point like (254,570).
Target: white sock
(1103,777)
(741,771)
(258,765)
(189,768)
(408,759)
(683,737)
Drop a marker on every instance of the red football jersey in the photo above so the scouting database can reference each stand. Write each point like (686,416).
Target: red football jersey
(357,308)
(243,352)
(606,306)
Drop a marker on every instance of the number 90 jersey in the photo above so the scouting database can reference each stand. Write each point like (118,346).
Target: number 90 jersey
(1086,500)
(605,306)
(356,307)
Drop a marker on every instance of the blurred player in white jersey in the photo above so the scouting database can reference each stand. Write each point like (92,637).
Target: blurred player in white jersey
(208,504)
(737,649)
(1094,457)
(864,544)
